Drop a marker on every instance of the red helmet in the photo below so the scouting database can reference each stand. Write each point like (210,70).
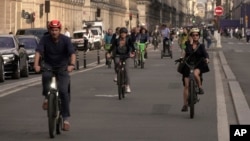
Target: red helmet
(55,24)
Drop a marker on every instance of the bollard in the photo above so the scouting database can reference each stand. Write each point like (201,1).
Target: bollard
(98,55)
(77,60)
(84,59)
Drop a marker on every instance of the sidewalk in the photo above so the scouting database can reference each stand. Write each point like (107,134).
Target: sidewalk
(240,104)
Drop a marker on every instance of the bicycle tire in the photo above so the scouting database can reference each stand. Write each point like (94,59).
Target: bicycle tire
(52,114)
(119,82)
(142,60)
(191,98)
(123,82)
(59,125)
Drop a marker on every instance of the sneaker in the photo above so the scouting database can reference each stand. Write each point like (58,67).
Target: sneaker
(45,104)
(115,78)
(184,108)
(66,125)
(201,91)
(128,90)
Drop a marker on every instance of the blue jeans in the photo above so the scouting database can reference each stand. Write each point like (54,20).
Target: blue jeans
(63,80)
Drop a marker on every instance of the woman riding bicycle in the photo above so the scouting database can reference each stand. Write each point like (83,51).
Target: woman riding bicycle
(194,52)
(122,46)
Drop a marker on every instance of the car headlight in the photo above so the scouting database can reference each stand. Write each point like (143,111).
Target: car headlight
(8,57)
(32,56)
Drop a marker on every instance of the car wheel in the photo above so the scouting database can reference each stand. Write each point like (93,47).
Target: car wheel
(16,74)
(2,76)
(24,67)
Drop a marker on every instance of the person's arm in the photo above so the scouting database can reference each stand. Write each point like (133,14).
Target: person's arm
(38,53)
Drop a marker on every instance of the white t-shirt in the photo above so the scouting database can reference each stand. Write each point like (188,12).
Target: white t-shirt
(67,33)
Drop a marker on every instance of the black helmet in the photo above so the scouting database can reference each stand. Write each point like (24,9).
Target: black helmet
(123,30)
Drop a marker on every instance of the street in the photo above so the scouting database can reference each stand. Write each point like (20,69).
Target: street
(152,112)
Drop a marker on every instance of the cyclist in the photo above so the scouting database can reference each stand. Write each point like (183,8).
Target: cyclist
(107,41)
(122,46)
(58,53)
(165,32)
(194,52)
(156,36)
(183,37)
(143,37)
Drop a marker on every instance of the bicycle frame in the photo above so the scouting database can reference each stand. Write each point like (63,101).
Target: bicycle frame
(121,77)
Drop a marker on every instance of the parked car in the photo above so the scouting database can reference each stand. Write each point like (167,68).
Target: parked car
(97,34)
(30,43)
(80,39)
(39,32)
(2,77)
(14,56)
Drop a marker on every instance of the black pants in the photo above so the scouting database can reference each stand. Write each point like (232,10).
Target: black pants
(63,80)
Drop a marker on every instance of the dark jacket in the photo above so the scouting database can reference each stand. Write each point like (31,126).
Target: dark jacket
(197,57)
(115,44)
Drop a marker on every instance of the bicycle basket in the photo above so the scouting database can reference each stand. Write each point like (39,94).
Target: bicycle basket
(107,46)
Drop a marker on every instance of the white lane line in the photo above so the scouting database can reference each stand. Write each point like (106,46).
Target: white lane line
(240,103)
(35,81)
(222,120)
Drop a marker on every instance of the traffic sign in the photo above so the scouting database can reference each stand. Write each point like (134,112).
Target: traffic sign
(218,10)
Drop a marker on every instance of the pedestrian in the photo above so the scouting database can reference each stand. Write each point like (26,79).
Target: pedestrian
(66,33)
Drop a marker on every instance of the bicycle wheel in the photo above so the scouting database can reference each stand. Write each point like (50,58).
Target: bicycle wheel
(123,80)
(59,125)
(119,84)
(52,114)
(142,59)
(191,97)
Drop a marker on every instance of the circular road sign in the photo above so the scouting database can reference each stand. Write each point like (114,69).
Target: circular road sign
(218,10)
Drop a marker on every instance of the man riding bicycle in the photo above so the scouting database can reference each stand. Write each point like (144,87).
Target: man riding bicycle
(107,42)
(58,53)
(165,32)
(196,53)
(122,46)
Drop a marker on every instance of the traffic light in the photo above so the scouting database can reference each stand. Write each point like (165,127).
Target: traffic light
(41,11)
(130,16)
(98,12)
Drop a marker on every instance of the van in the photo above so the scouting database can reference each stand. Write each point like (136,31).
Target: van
(81,39)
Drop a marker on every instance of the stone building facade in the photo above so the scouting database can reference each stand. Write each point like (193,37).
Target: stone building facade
(72,13)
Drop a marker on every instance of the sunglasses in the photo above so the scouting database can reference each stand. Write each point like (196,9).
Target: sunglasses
(195,35)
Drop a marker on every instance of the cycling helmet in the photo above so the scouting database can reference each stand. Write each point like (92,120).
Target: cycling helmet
(194,30)
(55,24)
(123,30)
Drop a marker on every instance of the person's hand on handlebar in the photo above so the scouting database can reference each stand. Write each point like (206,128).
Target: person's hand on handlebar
(207,60)
(132,54)
(108,55)
(37,68)
(70,68)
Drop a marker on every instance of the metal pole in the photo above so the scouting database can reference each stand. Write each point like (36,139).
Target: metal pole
(77,60)
(84,59)
(98,55)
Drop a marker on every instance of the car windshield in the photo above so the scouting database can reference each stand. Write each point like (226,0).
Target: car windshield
(29,43)
(39,33)
(94,32)
(7,42)
(78,35)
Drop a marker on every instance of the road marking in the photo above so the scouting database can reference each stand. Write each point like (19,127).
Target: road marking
(222,120)
(11,88)
(106,95)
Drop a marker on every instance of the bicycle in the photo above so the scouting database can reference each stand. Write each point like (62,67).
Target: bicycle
(121,76)
(109,60)
(193,89)
(141,52)
(55,120)
(167,46)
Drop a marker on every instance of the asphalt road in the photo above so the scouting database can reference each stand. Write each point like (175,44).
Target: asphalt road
(152,112)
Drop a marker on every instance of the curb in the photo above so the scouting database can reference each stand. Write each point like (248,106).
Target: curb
(240,104)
